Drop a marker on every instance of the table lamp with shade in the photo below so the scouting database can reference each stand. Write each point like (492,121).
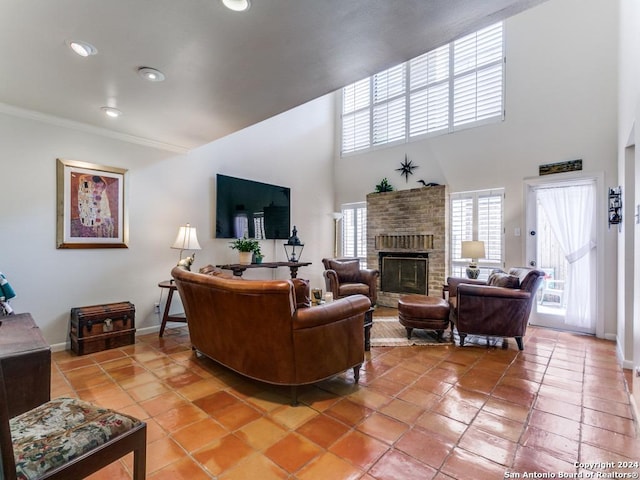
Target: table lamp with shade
(187,239)
(473,250)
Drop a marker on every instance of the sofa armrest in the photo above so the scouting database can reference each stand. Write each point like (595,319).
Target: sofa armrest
(369,275)
(331,312)
(331,281)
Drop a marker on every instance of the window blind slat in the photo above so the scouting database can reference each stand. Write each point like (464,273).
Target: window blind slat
(478,216)
(462,83)
(354,231)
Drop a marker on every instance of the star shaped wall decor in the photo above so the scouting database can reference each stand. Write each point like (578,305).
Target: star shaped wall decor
(406,168)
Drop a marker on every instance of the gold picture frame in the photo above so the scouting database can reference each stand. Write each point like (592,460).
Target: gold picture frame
(91,206)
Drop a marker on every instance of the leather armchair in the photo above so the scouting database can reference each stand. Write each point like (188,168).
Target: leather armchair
(344,277)
(499,307)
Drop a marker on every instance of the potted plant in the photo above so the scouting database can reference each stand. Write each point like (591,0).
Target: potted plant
(257,255)
(384,186)
(246,248)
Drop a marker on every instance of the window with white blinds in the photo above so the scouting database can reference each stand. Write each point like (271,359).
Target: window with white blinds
(477,215)
(457,85)
(354,231)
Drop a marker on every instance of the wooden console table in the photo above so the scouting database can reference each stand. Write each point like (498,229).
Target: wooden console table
(238,268)
(26,363)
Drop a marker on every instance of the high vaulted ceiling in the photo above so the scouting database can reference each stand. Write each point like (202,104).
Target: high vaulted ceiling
(224,70)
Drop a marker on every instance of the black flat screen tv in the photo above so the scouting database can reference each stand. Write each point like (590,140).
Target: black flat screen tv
(245,208)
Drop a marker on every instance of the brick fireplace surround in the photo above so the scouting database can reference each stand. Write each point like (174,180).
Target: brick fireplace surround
(409,222)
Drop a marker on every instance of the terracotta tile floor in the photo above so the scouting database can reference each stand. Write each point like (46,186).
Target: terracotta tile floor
(418,413)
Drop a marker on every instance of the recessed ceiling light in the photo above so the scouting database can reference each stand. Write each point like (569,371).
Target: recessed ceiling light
(83,49)
(111,112)
(151,74)
(237,5)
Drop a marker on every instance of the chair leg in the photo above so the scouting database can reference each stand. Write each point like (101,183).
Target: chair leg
(519,342)
(409,330)
(356,373)
(462,337)
(294,396)
(140,462)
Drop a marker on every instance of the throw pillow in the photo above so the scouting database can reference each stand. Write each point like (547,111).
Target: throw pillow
(502,279)
(213,271)
(301,288)
(347,271)
(210,270)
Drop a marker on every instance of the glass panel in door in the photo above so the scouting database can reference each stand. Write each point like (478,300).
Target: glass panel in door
(545,250)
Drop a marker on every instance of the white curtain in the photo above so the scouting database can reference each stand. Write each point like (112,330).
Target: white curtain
(571,214)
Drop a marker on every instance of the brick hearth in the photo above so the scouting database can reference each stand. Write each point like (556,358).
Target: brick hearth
(412,221)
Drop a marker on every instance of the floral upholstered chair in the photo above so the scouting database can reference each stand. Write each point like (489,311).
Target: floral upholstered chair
(67,438)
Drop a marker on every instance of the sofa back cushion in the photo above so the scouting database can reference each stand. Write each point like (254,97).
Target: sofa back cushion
(499,278)
(213,271)
(348,271)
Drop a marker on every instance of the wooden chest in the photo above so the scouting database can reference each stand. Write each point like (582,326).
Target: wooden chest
(100,327)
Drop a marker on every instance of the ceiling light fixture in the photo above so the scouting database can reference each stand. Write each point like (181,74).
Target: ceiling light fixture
(151,74)
(111,112)
(83,49)
(237,5)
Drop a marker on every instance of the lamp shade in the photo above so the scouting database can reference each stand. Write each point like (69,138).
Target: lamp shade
(187,239)
(473,249)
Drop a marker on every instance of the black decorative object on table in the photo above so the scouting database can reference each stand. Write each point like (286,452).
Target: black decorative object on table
(430,184)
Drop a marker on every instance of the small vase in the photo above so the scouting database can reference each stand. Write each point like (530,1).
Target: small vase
(245,258)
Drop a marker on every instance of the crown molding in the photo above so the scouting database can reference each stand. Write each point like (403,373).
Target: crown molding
(83,127)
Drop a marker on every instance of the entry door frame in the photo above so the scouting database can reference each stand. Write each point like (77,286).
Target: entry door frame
(601,222)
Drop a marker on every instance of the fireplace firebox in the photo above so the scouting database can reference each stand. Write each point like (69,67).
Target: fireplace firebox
(404,272)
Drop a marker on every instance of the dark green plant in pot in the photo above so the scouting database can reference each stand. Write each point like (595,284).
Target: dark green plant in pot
(384,186)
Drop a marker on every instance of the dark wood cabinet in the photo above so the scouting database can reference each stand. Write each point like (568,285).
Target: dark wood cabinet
(26,363)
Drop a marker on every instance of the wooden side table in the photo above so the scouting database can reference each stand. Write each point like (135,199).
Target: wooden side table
(171,286)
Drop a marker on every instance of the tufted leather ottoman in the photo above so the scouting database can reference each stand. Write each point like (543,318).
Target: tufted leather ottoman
(421,311)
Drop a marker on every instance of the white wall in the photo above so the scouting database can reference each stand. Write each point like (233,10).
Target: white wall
(561,98)
(165,190)
(629,174)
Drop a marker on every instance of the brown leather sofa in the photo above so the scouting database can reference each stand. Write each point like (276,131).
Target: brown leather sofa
(344,277)
(261,330)
(498,307)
